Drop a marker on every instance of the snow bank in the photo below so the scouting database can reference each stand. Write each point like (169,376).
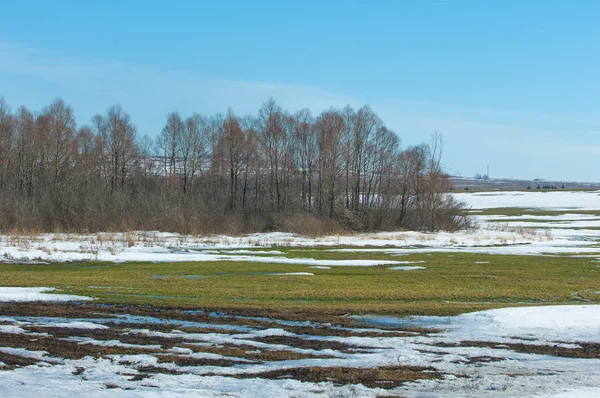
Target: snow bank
(76,325)
(22,294)
(549,323)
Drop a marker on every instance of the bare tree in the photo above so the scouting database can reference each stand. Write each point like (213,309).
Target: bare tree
(7,140)
(28,147)
(193,145)
(61,137)
(218,173)
(233,146)
(306,142)
(274,140)
(169,142)
(329,126)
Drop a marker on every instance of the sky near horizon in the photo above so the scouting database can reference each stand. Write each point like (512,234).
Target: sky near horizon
(510,84)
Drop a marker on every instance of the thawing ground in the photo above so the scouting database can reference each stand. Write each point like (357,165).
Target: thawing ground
(62,349)
(106,350)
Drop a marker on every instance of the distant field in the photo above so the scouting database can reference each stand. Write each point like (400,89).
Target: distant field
(449,284)
(520,211)
(506,184)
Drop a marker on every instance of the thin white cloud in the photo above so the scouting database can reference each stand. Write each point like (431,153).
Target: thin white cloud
(514,143)
(128,83)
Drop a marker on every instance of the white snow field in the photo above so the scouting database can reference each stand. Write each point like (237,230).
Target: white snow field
(23,294)
(534,199)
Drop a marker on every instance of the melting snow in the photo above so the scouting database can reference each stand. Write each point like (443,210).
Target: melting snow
(35,294)
(510,374)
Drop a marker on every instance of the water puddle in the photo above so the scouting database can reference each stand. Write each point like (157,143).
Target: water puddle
(408,322)
(222,315)
(118,319)
(177,322)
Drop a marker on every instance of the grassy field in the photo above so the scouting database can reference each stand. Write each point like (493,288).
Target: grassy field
(450,284)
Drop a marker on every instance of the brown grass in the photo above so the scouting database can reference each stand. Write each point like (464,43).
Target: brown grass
(383,377)
(253,353)
(111,334)
(160,369)
(585,350)
(326,331)
(306,344)
(65,349)
(182,360)
(12,361)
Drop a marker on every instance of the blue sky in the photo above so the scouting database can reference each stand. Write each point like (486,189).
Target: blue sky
(512,84)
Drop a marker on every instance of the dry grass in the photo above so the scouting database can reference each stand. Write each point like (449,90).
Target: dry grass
(308,344)
(11,361)
(585,350)
(386,377)
(326,331)
(253,353)
(308,225)
(182,360)
(65,349)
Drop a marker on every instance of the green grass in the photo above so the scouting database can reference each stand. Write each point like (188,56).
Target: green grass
(450,284)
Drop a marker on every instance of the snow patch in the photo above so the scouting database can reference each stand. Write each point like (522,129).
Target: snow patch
(23,294)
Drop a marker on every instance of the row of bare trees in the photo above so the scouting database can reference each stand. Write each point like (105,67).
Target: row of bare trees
(220,173)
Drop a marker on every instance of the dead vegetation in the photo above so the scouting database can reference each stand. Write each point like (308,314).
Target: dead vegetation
(310,344)
(386,377)
(160,370)
(41,309)
(183,360)
(262,355)
(67,349)
(585,350)
(121,335)
(338,332)
(12,361)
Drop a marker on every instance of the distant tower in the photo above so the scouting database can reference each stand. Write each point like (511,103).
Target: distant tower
(488,171)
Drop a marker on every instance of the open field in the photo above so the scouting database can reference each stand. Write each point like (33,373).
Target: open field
(501,184)
(426,283)
(506,309)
